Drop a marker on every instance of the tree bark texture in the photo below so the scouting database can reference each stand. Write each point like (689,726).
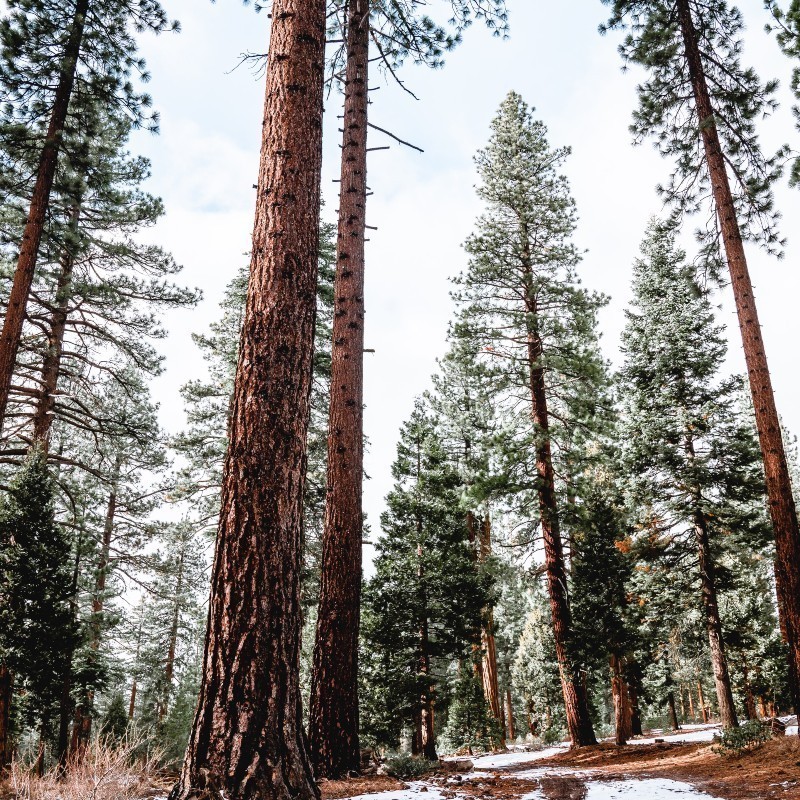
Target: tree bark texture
(247,741)
(776,471)
(512,731)
(623,727)
(40,200)
(708,588)
(334,721)
(576,704)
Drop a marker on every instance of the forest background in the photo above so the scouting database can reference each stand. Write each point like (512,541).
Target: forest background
(206,158)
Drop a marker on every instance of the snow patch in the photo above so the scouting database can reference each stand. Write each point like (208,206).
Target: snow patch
(501,760)
(651,789)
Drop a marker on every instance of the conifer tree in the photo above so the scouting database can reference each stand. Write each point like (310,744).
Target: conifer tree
(701,105)
(400,30)
(521,303)
(787,31)
(56,60)
(36,622)
(690,457)
(247,739)
(424,604)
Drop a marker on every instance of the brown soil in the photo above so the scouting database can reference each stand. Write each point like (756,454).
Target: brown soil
(771,772)
(352,787)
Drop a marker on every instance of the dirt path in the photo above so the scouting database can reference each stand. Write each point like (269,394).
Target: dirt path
(677,768)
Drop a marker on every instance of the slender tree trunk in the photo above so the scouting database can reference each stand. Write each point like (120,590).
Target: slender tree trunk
(701,699)
(719,662)
(169,666)
(692,709)
(622,703)
(34,225)
(776,471)
(512,731)
(6,695)
(683,704)
(67,705)
(82,726)
(762,705)
(51,364)
(576,704)
(491,688)
(333,725)
(247,738)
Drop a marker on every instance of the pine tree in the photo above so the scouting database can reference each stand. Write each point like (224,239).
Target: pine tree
(423,608)
(521,304)
(57,59)
(36,621)
(690,455)
(701,106)
(787,30)
(247,738)
(333,731)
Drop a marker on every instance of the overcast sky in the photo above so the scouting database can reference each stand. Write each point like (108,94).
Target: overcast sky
(205,164)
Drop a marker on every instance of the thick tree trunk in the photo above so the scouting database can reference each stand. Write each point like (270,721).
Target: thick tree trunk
(719,662)
(622,703)
(776,471)
(512,731)
(6,695)
(491,687)
(247,740)
(51,364)
(37,213)
(333,717)
(576,704)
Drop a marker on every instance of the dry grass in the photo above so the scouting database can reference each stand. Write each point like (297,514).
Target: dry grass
(106,772)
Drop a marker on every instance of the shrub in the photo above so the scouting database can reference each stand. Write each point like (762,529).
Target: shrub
(748,736)
(105,772)
(404,765)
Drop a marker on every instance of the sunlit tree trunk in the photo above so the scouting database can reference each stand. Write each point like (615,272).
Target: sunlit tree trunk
(247,740)
(40,201)
(333,725)
(776,470)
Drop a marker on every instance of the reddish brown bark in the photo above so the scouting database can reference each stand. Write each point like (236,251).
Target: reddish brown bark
(333,726)
(623,728)
(702,701)
(576,704)
(512,731)
(6,695)
(719,662)
(40,200)
(51,364)
(776,471)
(247,740)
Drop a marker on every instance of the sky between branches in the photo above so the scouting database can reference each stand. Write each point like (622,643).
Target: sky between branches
(205,165)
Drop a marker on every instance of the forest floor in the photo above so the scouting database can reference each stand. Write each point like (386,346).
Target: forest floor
(681,767)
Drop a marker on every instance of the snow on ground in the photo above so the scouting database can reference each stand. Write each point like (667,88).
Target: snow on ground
(501,760)
(688,733)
